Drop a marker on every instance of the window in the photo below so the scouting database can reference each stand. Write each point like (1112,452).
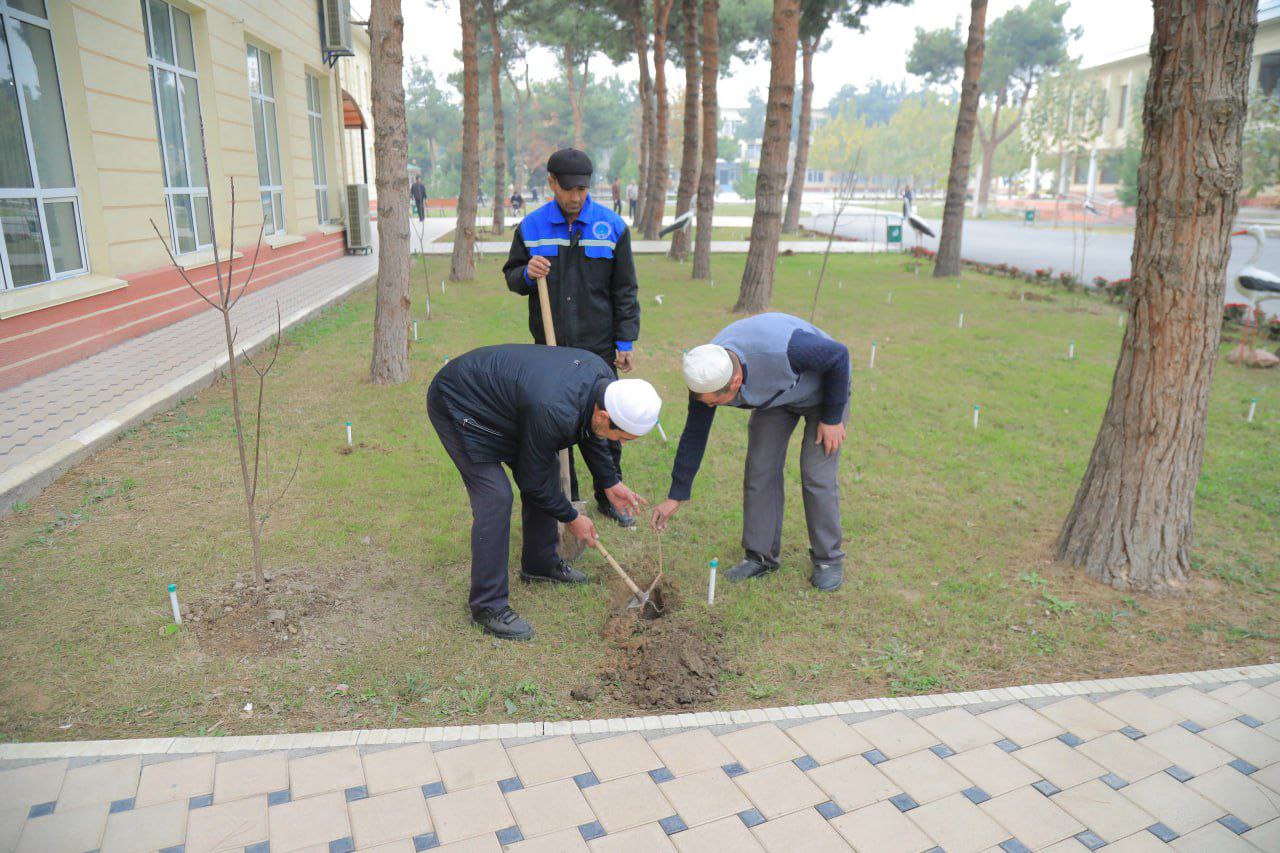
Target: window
(171,59)
(262,102)
(1269,73)
(1081,171)
(39,202)
(1123,115)
(814,176)
(318,169)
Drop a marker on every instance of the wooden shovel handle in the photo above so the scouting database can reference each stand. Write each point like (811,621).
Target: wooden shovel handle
(635,590)
(544,299)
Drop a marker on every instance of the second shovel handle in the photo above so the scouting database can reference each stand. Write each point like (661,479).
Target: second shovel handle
(544,299)
(622,574)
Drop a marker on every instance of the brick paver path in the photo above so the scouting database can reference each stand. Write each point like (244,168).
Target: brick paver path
(1194,767)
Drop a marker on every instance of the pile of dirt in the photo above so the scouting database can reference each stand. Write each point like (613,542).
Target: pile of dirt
(1030,296)
(662,663)
(247,618)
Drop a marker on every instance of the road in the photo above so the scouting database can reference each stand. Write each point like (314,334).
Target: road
(995,241)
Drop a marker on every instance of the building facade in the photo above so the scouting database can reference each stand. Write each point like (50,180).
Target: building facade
(123,124)
(1095,172)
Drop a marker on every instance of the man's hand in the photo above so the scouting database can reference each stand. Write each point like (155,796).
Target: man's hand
(663,512)
(538,267)
(623,361)
(830,436)
(584,528)
(625,499)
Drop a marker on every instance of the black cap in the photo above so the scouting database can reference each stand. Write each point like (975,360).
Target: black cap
(571,167)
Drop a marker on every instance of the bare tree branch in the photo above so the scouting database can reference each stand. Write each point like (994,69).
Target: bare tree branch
(180,270)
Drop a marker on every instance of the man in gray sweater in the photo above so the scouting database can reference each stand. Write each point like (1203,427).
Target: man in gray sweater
(782,369)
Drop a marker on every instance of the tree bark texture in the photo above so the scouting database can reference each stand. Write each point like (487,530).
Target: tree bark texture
(766,224)
(577,91)
(689,152)
(462,266)
(390,362)
(656,191)
(710,138)
(795,194)
(948,260)
(499,131)
(1131,524)
(641,42)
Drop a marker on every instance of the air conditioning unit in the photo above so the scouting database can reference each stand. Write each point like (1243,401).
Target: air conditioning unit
(337,29)
(359,232)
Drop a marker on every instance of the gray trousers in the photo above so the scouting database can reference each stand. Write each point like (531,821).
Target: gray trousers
(489,491)
(768,434)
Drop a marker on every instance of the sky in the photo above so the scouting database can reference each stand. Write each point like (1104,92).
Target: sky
(1111,28)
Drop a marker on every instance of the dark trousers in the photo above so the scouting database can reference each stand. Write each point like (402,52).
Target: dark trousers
(489,491)
(631,206)
(617,206)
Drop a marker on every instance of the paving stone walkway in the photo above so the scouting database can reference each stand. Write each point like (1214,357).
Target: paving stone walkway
(1188,762)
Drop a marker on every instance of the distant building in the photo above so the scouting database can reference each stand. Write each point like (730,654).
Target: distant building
(1095,172)
(108,111)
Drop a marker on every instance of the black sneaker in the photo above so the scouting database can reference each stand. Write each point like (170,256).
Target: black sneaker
(827,577)
(561,572)
(749,568)
(622,517)
(504,623)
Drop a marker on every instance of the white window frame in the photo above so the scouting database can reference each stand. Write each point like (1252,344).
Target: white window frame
(41,195)
(195,192)
(275,191)
(315,122)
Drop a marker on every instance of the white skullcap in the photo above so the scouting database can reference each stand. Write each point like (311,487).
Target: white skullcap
(633,404)
(707,368)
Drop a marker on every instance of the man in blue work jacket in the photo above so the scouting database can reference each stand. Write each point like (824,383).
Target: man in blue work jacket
(583,249)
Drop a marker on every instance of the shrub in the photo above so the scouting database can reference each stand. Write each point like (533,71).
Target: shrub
(1273,328)
(1233,312)
(1118,290)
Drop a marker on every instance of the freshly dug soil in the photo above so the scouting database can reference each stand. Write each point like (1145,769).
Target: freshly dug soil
(246,618)
(661,663)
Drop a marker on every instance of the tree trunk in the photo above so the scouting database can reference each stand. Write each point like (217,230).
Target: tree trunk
(646,105)
(390,362)
(570,63)
(948,261)
(656,192)
(462,267)
(795,196)
(499,132)
(1130,526)
(989,141)
(766,224)
(710,138)
(689,153)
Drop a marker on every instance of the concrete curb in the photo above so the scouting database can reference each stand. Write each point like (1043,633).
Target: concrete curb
(662,722)
(27,479)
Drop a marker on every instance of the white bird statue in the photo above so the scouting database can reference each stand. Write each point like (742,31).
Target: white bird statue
(918,225)
(1257,284)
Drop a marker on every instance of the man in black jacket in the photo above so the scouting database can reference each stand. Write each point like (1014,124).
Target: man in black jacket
(519,405)
(583,249)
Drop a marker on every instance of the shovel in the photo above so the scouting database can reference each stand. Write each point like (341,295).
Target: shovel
(639,598)
(571,547)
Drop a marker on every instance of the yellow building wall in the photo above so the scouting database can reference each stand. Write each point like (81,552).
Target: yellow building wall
(102,62)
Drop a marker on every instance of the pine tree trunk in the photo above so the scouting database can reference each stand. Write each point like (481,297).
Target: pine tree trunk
(948,260)
(656,192)
(989,143)
(795,196)
(390,362)
(499,132)
(766,224)
(646,105)
(462,267)
(1131,524)
(689,153)
(569,60)
(710,138)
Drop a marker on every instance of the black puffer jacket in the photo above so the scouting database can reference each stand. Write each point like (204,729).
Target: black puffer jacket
(521,404)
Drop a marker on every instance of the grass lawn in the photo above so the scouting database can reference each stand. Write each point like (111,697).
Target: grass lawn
(948,530)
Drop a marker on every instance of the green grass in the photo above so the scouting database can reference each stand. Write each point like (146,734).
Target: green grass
(948,529)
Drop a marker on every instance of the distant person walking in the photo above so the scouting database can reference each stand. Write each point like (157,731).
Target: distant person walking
(633,197)
(908,201)
(517,202)
(616,189)
(418,192)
